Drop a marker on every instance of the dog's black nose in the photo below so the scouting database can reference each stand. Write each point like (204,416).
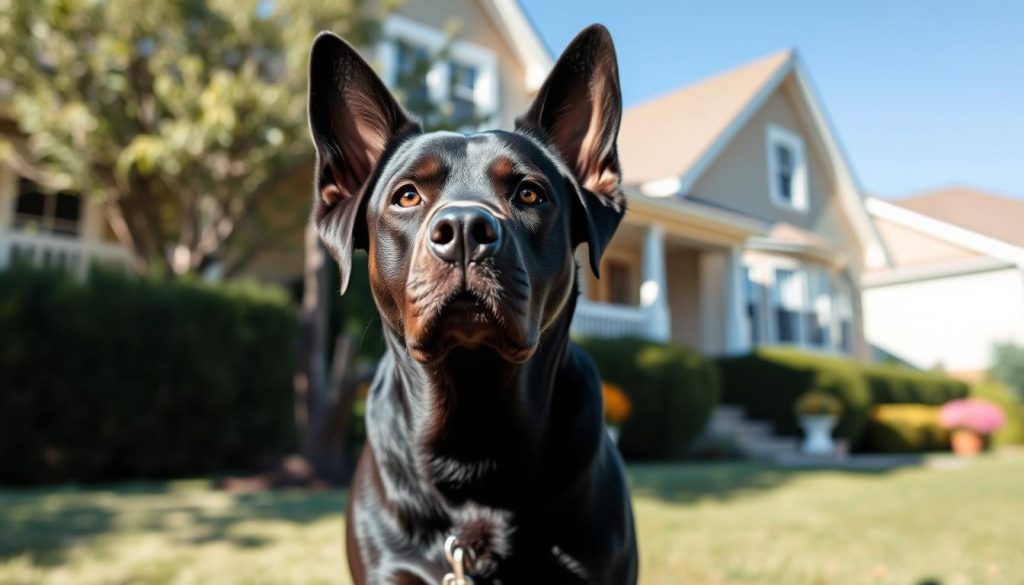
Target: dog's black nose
(464,234)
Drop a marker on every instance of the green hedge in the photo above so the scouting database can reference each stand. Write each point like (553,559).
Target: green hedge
(891,384)
(768,382)
(905,428)
(673,390)
(122,377)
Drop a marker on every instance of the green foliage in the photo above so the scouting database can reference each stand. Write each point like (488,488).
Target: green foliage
(673,390)
(768,383)
(187,117)
(997,393)
(905,428)
(1009,368)
(122,377)
(892,384)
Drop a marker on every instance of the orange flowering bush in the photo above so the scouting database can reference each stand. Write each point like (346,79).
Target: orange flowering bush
(617,405)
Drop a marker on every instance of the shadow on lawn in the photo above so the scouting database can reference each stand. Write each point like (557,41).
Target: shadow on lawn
(48,523)
(689,483)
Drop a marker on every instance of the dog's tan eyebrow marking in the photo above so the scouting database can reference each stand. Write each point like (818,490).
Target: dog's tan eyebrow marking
(429,169)
(501,169)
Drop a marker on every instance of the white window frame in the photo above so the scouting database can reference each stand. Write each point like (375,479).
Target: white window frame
(779,136)
(483,60)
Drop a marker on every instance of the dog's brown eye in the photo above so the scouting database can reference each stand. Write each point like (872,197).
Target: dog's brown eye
(407,197)
(529,196)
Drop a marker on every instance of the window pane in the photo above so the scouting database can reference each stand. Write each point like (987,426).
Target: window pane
(69,207)
(463,97)
(819,315)
(413,65)
(789,295)
(753,293)
(463,79)
(31,201)
(784,171)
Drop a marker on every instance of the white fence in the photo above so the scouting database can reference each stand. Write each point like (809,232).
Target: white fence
(63,252)
(606,320)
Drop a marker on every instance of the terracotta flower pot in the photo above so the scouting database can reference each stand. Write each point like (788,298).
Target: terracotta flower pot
(967,442)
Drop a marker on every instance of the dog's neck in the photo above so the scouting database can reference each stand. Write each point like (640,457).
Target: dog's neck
(477,427)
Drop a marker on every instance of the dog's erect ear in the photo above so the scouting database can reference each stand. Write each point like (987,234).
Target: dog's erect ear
(578,110)
(353,119)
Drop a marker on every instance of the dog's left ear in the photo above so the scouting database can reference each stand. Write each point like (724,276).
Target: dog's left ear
(578,110)
(354,119)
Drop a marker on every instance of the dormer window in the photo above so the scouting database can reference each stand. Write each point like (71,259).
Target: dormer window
(787,169)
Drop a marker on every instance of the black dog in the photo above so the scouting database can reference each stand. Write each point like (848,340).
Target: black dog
(484,421)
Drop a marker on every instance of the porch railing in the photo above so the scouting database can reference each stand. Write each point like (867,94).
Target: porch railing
(63,252)
(607,320)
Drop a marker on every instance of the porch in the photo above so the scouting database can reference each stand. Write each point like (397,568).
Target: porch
(70,253)
(673,272)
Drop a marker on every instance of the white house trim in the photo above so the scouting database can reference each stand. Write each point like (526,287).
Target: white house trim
(946,231)
(875,254)
(517,29)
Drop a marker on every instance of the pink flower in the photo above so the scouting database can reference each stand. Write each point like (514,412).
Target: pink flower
(976,415)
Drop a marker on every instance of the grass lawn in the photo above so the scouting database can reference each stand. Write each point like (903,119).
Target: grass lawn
(702,524)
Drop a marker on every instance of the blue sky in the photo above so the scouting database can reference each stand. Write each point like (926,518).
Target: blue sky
(923,94)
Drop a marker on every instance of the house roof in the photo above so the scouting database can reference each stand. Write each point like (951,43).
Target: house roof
(666,136)
(971,219)
(996,216)
(667,143)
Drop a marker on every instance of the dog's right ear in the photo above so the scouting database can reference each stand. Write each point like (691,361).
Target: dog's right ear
(353,119)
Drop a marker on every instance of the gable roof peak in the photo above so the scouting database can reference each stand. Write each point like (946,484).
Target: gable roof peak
(668,135)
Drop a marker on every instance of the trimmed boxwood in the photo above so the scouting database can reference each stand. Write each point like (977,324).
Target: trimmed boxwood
(905,428)
(768,382)
(673,390)
(892,384)
(124,377)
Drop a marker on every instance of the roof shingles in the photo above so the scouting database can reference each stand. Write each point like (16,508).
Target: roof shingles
(666,136)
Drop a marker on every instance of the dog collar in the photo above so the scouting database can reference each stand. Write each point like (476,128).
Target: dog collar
(456,555)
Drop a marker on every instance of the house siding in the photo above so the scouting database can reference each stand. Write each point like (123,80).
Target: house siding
(940,322)
(739,179)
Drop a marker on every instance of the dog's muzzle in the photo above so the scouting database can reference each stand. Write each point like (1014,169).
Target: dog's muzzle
(463,234)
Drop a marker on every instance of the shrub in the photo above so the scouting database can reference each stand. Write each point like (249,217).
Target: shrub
(1008,368)
(672,389)
(995,392)
(893,384)
(122,377)
(768,382)
(905,428)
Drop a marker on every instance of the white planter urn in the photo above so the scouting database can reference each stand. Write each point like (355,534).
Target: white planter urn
(818,434)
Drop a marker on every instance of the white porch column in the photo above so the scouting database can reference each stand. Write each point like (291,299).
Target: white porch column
(737,333)
(654,290)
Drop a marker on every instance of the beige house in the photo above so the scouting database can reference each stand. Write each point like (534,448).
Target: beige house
(745,224)
(955,286)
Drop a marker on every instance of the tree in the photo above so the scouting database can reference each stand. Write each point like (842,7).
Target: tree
(185,118)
